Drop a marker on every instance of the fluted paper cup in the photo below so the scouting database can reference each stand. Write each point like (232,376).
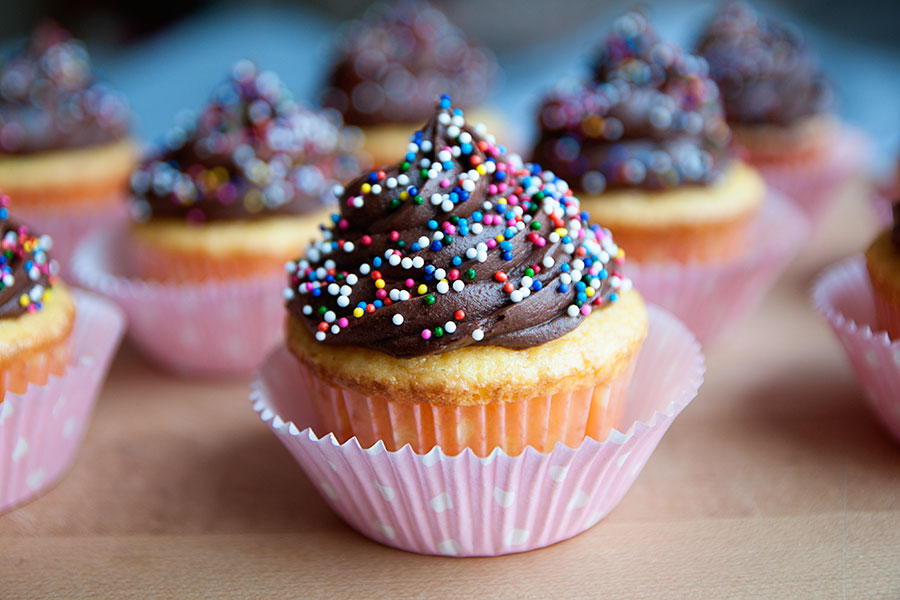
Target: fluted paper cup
(709,297)
(69,227)
(813,185)
(41,429)
(843,296)
(464,505)
(212,328)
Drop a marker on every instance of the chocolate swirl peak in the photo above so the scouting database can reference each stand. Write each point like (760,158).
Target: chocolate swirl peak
(50,97)
(457,244)
(763,68)
(393,64)
(651,118)
(252,152)
(27,273)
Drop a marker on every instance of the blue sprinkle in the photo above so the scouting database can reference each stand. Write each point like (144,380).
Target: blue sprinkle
(580,286)
(500,175)
(566,239)
(373,177)
(477,216)
(378,304)
(457,261)
(415,247)
(335,217)
(410,156)
(445,100)
(613,297)
(329,278)
(429,269)
(454,197)
(562,289)
(506,245)
(465,148)
(316,292)
(432,224)
(376,262)
(581,296)
(603,274)
(361,305)
(464,195)
(537,285)
(413,190)
(448,165)
(507,255)
(566,268)
(436,245)
(510,232)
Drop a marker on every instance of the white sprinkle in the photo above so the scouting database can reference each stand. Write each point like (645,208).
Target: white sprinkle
(458,285)
(320,335)
(394,260)
(471,253)
(352,278)
(436,199)
(447,205)
(526,281)
(391,183)
(406,263)
(450,327)
(290,266)
(443,286)
(397,319)
(288,293)
(348,246)
(572,310)
(440,274)
(343,301)
(476,228)
(548,261)
(418,262)
(333,289)
(478,335)
(364,268)
(329,316)
(307,310)
(516,296)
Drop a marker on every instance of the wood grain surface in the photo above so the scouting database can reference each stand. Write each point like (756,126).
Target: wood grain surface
(776,482)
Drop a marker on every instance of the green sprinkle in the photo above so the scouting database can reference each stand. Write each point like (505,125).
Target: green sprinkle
(469,274)
(535,225)
(323,310)
(438,331)
(529,271)
(419,200)
(429,299)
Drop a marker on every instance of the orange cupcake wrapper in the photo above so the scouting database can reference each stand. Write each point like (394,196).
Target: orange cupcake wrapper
(540,422)
(35,369)
(887,312)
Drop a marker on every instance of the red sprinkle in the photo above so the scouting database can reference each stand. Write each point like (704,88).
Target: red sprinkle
(460,315)
(500,276)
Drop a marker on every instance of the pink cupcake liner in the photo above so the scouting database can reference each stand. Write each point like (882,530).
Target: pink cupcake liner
(843,296)
(709,297)
(41,430)
(813,185)
(882,197)
(68,228)
(464,505)
(213,328)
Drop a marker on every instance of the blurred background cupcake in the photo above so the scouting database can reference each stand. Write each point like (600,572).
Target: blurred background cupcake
(390,66)
(779,104)
(65,150)
(240,188)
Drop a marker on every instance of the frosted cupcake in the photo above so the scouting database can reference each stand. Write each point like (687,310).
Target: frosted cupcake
(65,153)
(462,299)
(646,142)
(883,266)
(241,188)
(780,107)
(392,64)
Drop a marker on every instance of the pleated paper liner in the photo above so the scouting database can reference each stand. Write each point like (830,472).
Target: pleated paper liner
(710,297)
(42,427)
(843,296)
(465,505)
(212,328)
(814,185)
(68,227)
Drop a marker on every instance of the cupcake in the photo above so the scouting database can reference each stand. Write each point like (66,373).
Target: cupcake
(36,310)
(65,153)
(392,64)
(55,348)
(779,106)
(239,189)
(461,299)
(883,266)
(646,143)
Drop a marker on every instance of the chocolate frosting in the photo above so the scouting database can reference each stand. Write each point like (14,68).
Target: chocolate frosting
(50,97)
(651,117)
(27,273)
(456,244)
(253,152)
(763,68)
(393,63)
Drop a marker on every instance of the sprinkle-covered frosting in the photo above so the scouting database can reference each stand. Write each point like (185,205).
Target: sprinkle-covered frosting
(763,68)
(457,244)
(50,97)
(252,152)
(393,63)
(651,117)
(27,273)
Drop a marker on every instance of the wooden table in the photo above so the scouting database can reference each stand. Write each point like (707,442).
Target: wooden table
(775,482)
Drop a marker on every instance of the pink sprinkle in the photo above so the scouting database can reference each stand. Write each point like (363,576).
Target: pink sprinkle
(453,275)
(513,199)
(502,188)
(492,189)
(366,240)
(449,229)
(492,243)
(426,334)
(445,183)
(343,224)
(343,322)
(395,235)
(410,283)
(381,294)
(541,242)
(586,309)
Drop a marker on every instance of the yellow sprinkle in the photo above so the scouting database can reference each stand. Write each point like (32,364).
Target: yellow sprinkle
(620,253)
(500,237)
(561,231)
(404,195)
(501,201)
(366,188)
(48,294)
(589,291)
(422,289)
(379,283)
(481,170)
(23,300)
(358,312)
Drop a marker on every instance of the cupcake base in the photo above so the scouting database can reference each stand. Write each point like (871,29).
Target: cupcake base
(213,328)
(464,505)
(41,428)
(843,296)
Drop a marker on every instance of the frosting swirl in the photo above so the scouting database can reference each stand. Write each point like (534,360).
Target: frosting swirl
(763,68)
(27,273)
(393,64)
(50,97)
(252,152)
(651,117)
(457,244)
